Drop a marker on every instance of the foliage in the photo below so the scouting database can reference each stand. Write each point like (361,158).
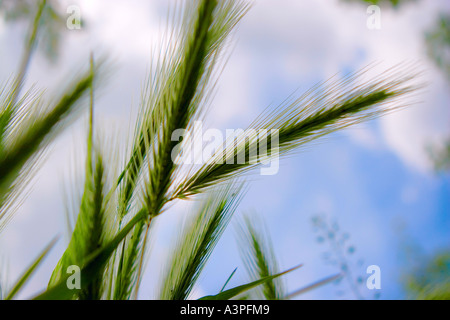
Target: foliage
(116,212)
(51,24)
(430,280)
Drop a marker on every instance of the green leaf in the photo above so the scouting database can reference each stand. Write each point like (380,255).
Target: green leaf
(127,275)
(90,270)
(23,279)
(314,286)
(228,280)
(231,293)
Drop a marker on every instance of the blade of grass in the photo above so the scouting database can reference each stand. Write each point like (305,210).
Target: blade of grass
(30,45)
(128,270)
(231,293)
(24,278)
(228,280)
(94,264)
(313,286)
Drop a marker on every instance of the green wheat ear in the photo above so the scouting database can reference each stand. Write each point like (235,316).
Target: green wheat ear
(259,257)
(326,108)
(28,124)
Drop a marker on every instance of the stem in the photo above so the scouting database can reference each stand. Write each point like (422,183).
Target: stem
(26,58)
(347,273)
(141,259)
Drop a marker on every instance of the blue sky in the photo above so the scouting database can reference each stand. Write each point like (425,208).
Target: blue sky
(375,180)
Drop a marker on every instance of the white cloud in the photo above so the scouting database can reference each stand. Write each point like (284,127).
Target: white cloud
(316,39)
(409,131)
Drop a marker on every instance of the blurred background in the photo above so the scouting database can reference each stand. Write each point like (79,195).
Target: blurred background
(374,194)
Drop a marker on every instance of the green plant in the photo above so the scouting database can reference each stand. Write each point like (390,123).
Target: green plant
(52,22)
(340,254)
(428,278)
(117,211)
